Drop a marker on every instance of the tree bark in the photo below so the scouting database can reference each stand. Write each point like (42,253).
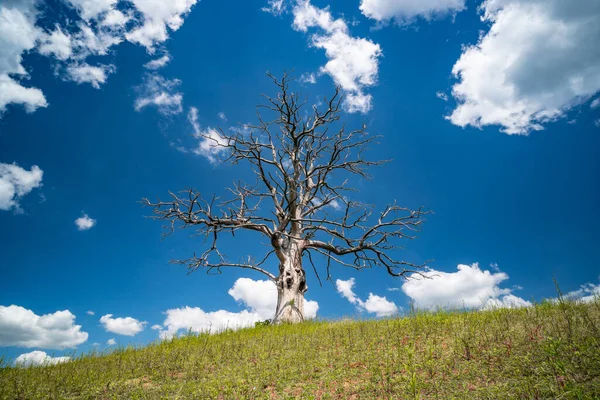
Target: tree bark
(291,282)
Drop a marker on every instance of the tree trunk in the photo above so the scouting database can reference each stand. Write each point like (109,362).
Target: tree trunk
(291,284)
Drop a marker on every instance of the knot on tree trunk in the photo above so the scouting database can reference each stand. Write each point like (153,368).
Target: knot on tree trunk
(291,286)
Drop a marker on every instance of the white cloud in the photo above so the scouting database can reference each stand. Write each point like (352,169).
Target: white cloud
(38,357)
(158,63)
(595,103)
(404,11)
(23,328)
(88,41)
(157,16)
(469,287)
(222,116)
(115,19)
(538,60)
(111,342)
(90,9)
(441,96)
(85,73)
(353,62)
(380,306)
(275,7)
(83,224)
(311,308)
(18,34)
(308,78)
(57,43)
(160,93)
(210,141)
(90,312)
(586,293)
(508,301)
(16,182)
(123,326)
(101,27)
(12,92)
(345,289)
(197,320)
(260,298)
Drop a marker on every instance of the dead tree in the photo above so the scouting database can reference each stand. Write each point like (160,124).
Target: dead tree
(301,202)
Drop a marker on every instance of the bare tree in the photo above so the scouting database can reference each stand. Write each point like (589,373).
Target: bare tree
(300,202)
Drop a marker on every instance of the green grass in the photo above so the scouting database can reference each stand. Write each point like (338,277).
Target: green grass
(550,351)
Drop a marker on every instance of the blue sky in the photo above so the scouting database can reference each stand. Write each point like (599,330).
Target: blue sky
(491,122)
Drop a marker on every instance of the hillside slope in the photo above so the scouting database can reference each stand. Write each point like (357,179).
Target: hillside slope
(548,351)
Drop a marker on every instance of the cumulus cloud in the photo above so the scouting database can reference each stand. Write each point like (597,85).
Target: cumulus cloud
(345,289)
(93,42)
(260,298)
(93,8)
(380,306)
(57,44)
(404,11)
(18,34)
(210,141)
(16,182)
(85,73)
(38,357)
(123,326)
(23,328)
(90,312)
(538,60)
(198,320)
(100,27)
(157,16)
(508,301)
(115,19)
(353,62)
(13,92)
(160,93)
(595,103)
(468,287)
(158,63)
(586,293)
(111,342)
(85,223)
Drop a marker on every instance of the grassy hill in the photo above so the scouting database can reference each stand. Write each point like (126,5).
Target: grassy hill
(550,351)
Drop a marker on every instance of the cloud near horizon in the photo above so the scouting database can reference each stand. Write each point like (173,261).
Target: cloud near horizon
(23,328)
(259,298)
(468,287)
(123,326)
(380,306)
(38,358)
